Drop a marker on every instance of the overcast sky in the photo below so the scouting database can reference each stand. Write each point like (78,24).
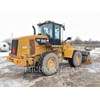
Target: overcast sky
(81,17)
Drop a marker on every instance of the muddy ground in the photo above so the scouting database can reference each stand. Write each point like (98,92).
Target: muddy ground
(83,76)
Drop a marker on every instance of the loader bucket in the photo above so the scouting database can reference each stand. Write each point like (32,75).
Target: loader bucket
(86,60)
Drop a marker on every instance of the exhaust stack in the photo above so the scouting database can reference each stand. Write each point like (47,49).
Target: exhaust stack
(34,30)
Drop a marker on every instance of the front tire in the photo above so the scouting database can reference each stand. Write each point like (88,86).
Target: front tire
(76,60)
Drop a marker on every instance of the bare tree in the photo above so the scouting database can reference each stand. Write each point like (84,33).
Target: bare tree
(77,40)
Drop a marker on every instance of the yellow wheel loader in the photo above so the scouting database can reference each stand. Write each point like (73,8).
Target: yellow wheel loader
(45,51)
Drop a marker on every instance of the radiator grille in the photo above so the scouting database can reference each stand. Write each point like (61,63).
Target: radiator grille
(14,47)
(32,47)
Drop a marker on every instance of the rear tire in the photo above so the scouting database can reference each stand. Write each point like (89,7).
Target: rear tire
(48,63)
(76,60)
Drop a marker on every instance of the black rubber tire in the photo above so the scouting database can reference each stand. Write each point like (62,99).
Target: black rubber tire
(73,62)
(42,63)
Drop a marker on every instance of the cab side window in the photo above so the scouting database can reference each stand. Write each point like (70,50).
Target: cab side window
(57,32)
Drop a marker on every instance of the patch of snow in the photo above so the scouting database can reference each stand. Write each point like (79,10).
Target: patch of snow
(19,82)
(64,61)
(97,51)
(94,68)
(94,53)
(10,82)
(4,54)
(5,70)
(4,65)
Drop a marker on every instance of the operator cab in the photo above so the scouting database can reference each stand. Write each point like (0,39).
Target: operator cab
(52,30)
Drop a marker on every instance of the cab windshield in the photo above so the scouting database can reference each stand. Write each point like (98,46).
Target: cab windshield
(46,29)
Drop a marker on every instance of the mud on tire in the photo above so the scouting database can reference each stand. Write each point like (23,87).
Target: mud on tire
(43,65)
(74,61)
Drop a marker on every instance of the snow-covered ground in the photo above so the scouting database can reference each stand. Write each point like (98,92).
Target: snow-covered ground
(85,75)
(4,54)
(95,52)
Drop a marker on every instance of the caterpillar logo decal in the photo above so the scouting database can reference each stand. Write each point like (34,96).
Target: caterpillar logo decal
(41,41)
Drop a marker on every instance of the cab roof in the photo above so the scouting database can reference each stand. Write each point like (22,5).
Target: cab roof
(48,22)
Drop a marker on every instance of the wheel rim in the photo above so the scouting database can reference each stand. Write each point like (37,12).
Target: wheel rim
(78,59)
(51,63)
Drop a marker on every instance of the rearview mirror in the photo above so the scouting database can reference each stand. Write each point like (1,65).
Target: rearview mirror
(63,27)
(69,38)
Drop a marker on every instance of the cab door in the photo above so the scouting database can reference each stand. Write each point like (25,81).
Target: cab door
(57,34)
